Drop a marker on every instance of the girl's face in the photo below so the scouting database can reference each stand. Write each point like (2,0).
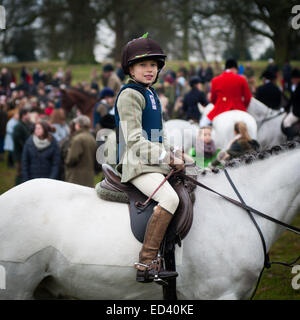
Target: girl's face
(144,71)
(205,135)
(39,131)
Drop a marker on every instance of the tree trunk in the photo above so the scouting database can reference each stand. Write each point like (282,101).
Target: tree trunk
(281,45)
(53,45)
(120,37)
(185,27)
(82,32)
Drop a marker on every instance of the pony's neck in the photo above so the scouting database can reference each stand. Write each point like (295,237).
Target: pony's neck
(271,186)
(276,185)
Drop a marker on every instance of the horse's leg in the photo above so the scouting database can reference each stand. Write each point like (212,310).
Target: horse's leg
(23,278)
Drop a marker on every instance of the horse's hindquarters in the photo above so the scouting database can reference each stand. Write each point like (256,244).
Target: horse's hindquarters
(223,126)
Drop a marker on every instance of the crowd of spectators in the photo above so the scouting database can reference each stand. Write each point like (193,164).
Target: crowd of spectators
(37,134)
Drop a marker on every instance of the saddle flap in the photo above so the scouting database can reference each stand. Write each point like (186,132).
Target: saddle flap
(182,219)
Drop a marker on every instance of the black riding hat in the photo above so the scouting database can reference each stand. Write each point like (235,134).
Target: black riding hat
(194,80)
(142,48)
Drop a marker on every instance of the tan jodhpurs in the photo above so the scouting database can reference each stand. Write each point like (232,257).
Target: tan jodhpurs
(166,196)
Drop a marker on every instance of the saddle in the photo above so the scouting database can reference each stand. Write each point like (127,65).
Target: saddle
(112,189)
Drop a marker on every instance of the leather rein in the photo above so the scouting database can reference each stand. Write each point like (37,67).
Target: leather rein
(250,211)
(242,204)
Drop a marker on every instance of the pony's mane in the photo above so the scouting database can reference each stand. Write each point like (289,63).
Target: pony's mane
(250,157)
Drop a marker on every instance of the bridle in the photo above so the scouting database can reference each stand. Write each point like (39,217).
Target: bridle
(266,119)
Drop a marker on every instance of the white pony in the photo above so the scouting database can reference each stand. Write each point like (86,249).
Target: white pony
(269,123)
(183,133)
(60,239)
(223,125)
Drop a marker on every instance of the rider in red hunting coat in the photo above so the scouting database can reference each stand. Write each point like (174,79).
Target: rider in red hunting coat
(229,91)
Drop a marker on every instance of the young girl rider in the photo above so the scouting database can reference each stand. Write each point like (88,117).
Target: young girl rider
(144,156)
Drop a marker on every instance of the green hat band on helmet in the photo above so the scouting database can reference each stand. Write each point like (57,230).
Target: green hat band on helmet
(139,49)
(141,55)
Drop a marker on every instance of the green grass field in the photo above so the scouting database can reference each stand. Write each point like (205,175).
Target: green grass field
(275,283)
(83,72)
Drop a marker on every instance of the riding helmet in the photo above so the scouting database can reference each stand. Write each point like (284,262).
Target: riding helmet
(106,92)
(142,48)
(194,80)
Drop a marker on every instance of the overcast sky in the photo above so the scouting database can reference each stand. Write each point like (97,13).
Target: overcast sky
(106,39)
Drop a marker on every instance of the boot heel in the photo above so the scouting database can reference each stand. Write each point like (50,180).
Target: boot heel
(142,276)
(143,280)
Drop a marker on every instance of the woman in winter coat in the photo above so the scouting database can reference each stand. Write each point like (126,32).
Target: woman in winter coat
(41,154)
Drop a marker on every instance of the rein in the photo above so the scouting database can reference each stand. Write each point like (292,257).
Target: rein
(271,117)
(242,204)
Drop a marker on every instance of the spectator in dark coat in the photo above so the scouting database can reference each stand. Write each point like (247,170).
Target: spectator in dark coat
(104,110)
(3,122)
(269,93)
(291,123)
(192,98)
(209,73)
(286,73)
(272,67)
(20,134)
(41,154)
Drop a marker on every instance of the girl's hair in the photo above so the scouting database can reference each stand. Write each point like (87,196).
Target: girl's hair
(205,127)
(47,128)
(58,116)
(241,128)
(201,130)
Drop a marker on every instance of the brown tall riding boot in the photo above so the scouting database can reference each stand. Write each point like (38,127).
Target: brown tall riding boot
(149,267)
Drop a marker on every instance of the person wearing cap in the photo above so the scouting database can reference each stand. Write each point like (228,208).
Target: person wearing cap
(269,93)
(81,155)
(272,66)
(293,107)
(229,91)
(110,78)
(104,113)
(192,98)
(143,153)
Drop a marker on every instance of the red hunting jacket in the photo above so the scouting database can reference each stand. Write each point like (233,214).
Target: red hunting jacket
(229,91)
